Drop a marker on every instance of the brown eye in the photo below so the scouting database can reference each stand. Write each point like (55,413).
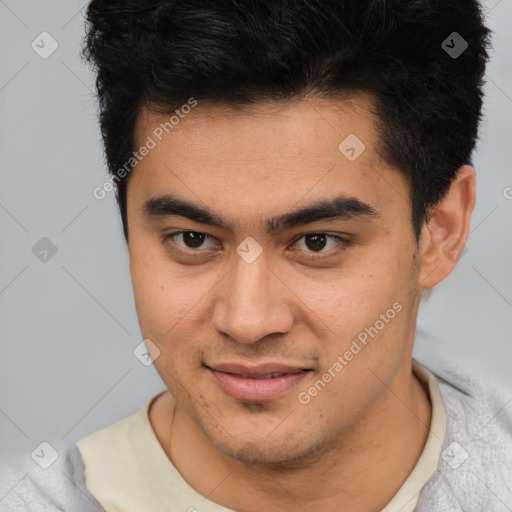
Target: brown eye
(313,245)
(315,242)
(190,240)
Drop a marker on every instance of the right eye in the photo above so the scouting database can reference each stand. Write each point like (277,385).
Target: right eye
(190,239)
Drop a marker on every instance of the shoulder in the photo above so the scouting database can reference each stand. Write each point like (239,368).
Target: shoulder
(475,468)
(59,488)
(62,487)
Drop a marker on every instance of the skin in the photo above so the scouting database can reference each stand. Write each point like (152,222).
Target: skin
(365,430)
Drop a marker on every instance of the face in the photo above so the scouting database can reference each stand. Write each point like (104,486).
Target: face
(273,269)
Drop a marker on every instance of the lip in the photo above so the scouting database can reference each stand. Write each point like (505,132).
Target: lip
(258,383)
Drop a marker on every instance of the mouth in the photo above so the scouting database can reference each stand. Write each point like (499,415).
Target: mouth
(262,383)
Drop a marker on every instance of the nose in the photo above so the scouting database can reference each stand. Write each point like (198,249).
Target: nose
(252,302)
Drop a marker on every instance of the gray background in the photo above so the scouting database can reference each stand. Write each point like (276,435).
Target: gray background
(68,327)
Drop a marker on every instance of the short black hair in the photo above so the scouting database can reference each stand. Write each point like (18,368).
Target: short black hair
(410,55)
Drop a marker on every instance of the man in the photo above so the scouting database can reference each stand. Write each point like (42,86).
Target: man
(291,177)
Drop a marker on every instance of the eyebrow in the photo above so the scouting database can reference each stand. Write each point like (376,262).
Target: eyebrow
(340,208)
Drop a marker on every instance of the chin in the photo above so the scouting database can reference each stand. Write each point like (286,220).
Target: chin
(250,453)
(282,451)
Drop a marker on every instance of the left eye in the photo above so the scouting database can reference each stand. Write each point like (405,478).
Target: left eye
(318,241)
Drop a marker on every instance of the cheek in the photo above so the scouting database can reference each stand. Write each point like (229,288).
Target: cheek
(156,301)
(167,296)
(165,306)
(346,301)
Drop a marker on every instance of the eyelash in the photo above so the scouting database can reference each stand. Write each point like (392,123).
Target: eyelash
(343,243)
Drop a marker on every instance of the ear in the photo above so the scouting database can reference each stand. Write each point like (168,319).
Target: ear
(446,231)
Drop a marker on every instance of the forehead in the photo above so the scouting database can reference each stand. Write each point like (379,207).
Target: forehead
(279,125)
(268,154)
